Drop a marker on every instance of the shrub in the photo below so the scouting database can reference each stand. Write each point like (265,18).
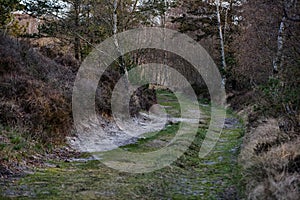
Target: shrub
(35,93)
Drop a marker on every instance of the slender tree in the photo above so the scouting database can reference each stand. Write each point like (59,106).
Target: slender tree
(7,7)
(218,4)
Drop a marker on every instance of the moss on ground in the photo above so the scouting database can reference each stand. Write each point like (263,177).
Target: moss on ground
(190,177)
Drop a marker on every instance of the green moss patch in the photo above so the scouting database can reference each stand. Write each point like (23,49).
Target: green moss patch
(189,177)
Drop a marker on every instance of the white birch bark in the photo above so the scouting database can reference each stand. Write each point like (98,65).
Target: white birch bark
(277,63)
(217,2)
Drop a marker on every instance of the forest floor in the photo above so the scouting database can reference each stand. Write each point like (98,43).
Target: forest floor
(217,176)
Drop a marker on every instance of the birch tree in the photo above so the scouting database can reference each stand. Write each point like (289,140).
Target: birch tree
(211,22)
(218,4)
(121,61)
(83,23)
(278,61)
(289,13)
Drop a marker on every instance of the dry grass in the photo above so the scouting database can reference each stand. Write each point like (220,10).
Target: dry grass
(270,158)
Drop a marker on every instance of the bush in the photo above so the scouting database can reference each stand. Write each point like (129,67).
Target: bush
(35,93)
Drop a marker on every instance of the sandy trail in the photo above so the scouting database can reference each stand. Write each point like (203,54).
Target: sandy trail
(111,135)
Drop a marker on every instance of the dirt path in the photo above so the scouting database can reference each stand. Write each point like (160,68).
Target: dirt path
(216,176)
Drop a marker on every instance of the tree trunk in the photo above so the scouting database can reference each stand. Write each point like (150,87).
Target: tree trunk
(77,47)
(221,34)
(277,63)
(115,31)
